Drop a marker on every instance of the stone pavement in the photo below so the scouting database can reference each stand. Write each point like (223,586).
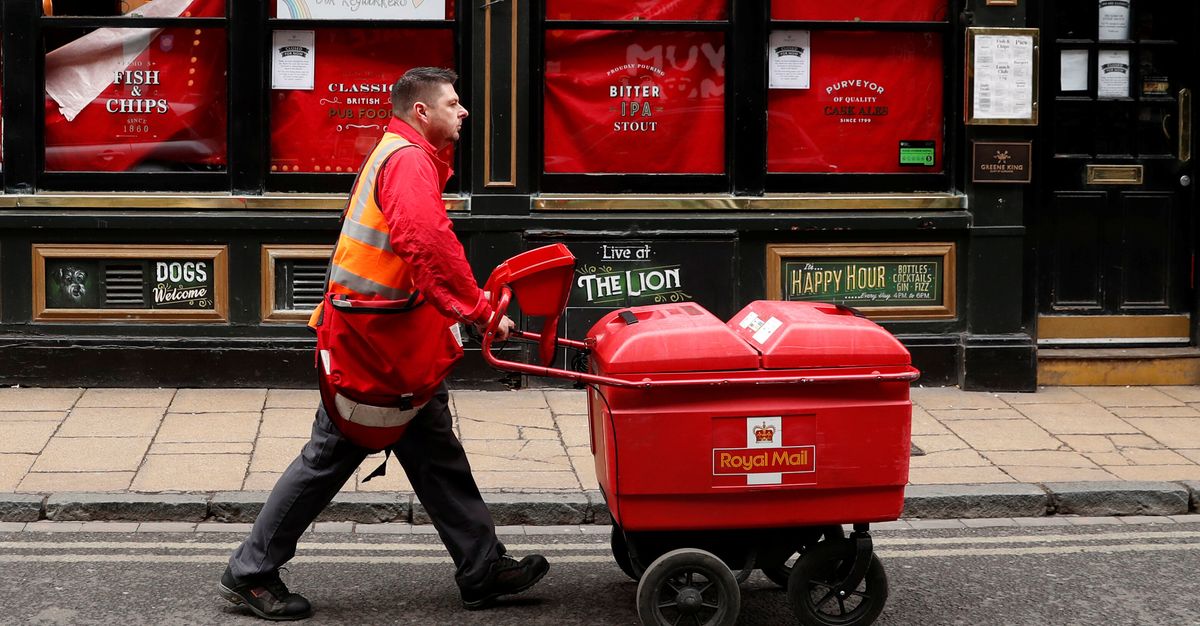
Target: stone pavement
(211,454)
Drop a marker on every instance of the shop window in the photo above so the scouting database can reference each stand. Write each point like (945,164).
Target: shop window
(132,8)
(636,10)
(330,86)
(634,101)
(823,10)
(137,99)
(857,89)
(873,104)
(330,125)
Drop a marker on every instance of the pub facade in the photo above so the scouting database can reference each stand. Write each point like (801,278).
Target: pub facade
(1005,185)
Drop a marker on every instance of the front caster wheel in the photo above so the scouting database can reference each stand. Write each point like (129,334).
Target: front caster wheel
(688,586)
(780,573)
(816,591)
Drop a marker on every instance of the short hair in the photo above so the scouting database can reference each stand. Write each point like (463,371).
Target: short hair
(416,85)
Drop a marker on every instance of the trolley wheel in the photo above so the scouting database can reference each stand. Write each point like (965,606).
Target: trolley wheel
(779,574)
(813,593)
(688,586)
(620,552)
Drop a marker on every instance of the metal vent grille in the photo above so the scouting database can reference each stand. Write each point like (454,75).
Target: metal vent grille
(124,287)
(300,283)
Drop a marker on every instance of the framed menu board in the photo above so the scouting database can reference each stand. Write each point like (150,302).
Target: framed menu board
(1002,76)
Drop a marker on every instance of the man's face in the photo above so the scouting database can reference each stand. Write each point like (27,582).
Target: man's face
(444,115)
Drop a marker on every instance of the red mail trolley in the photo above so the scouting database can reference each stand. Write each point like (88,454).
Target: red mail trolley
(725,447)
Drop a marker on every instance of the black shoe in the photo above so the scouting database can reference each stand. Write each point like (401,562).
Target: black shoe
(507,576)
(266,595)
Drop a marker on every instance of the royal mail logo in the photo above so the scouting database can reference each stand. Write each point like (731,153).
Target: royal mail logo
(745,461)
(764,433)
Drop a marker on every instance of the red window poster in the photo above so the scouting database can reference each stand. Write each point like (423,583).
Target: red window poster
(874,99)
(707,10)
(635,102)
(146,99)
(819,10)
(332,127)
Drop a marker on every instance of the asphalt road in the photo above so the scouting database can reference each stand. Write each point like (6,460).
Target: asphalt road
(1113,575)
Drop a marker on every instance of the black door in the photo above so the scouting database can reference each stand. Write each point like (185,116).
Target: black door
(1114,217)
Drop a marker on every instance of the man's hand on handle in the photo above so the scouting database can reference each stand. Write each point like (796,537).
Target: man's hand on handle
(502,331)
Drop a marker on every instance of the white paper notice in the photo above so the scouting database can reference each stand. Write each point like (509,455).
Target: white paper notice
(790,55)
(1114,20)
(1073,67)
(361,9)
(1003,77)
(1112,74)
(293,59)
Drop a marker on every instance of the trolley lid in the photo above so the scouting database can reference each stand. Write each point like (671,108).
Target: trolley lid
(668,338)
(794,335)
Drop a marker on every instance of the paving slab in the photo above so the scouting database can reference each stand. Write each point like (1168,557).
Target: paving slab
(957,475)
(33,416)
(1004,435)
(25,437)
(1045,395)
(975,501)
(1128,396)
(239,447)
(126,507)
(952,398)
(1118,498)
(1156,472)
(293,399)
(1183,393)
(1174,432)
(111,422)
(55,482)
(482,404)
(1088,443)
(1077,419)
(218,400)
(946,415)
(950,458)
(92,454)
(38,399)
(1041,458)
(12,470)
(285,422)
(575,402)
(1037,474)
(925,424)
(528,481)
(191,472)
(1155,411)
(208,427)
(274,455)
(127,398)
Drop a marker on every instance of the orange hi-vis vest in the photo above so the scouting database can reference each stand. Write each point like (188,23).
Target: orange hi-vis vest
(364,265)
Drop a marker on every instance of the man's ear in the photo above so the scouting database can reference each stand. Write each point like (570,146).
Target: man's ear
(420,110)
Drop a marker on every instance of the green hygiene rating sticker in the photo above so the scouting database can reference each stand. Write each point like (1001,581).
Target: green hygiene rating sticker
(922,153)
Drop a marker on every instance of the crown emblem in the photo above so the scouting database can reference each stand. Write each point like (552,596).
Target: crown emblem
(764,433)
(1003,156)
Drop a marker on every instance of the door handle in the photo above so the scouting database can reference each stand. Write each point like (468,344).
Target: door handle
(1185,125)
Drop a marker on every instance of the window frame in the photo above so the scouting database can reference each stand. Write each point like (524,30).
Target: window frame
(553,183)
(900,182)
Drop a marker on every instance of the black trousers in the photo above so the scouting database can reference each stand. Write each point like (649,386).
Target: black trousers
(436,466)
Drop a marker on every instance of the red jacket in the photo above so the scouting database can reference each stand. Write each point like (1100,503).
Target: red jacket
(410,197)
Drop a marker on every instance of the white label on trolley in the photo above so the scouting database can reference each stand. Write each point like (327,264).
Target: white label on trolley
(752,320)
(767,330)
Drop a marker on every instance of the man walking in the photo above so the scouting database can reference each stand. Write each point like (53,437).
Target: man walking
(400,188)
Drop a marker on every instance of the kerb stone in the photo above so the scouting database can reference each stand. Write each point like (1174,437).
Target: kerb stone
(19,507)
(527,509)
(367,508)
(134,507)
(975,501)
(236,506)
(1119,498)
(1193,487)
(598,512)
